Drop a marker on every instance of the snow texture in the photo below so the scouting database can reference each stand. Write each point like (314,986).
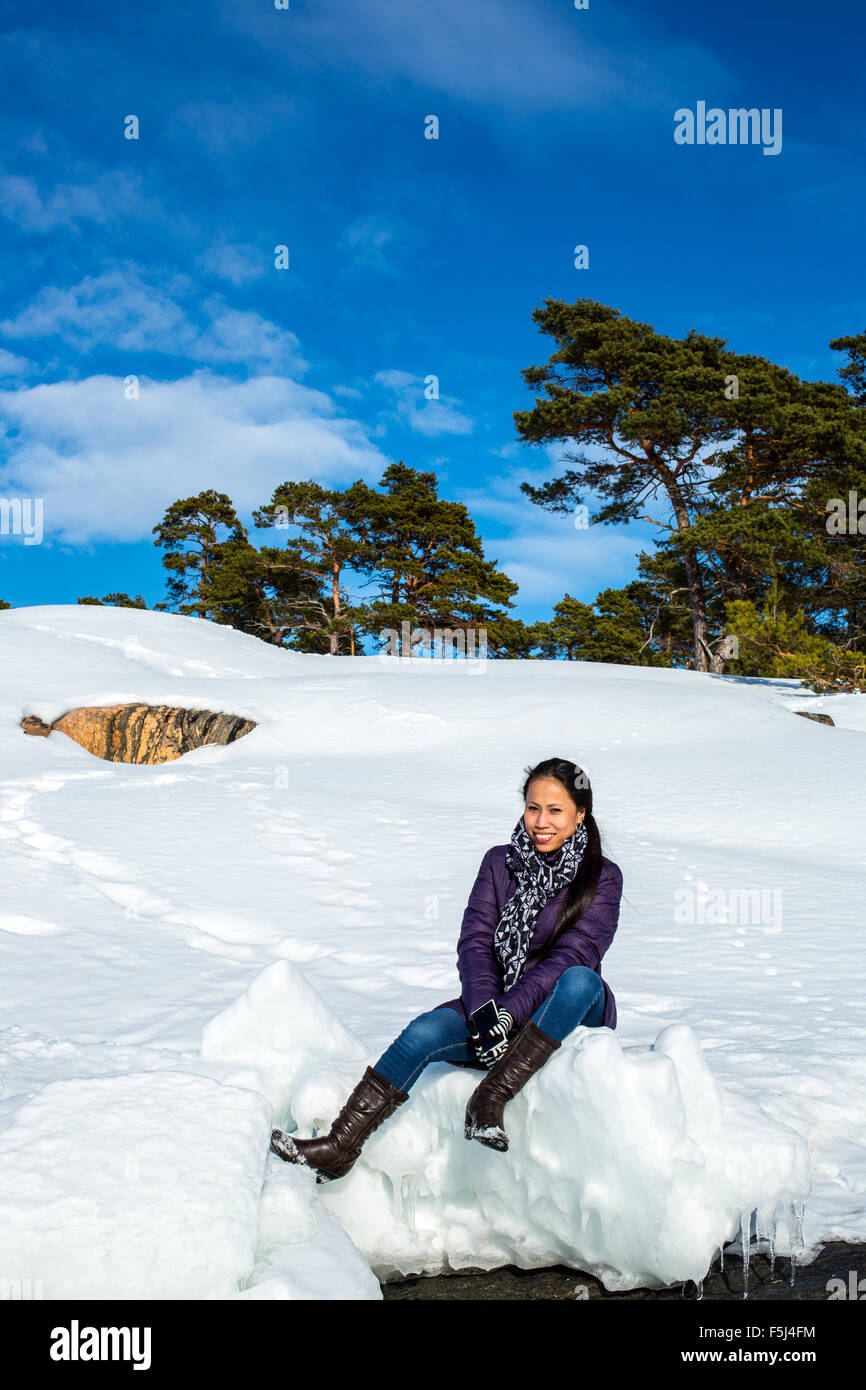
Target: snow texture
(197,952)
(138,1186)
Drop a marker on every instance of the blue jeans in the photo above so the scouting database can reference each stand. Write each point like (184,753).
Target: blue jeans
(442,1035)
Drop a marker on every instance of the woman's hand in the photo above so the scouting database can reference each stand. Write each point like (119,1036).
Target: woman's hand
(500,1045)
(491,1043)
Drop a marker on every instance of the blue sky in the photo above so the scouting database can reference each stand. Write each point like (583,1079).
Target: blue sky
(154,257)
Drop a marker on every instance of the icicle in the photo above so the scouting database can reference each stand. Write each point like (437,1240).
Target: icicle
(722,1257)
(407,1193)
(699,1286)
(760,1233)
(799,1213)
(796,1211)
(771,1241)
(765,1231)
(745,1240)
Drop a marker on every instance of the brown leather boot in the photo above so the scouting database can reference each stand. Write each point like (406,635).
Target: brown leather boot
(529,1051)
(334,1153)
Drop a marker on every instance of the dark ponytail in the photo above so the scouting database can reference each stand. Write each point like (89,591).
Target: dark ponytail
(583,889)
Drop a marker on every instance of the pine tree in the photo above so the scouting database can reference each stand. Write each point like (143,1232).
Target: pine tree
(776,643)
(511,639)
(255,592)
(661,596)
(855,370)
(326,544)
(115,601)
(427,561)
(615,627)
(570,627)
(192,533)
(657,406)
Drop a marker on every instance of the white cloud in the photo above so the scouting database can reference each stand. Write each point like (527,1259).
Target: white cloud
(239,264)
(517,55)
(11,365)
(544,552)
(116,307)
(107,468)
(395,380)
(427,417)
(437,417)
(235,335)
(550,561)
(367,239)
(109,197)
(121,309)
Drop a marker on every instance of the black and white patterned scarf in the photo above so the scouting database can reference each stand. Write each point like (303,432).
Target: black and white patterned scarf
(539,878)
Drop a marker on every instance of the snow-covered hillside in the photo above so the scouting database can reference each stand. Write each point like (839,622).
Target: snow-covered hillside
(194,951)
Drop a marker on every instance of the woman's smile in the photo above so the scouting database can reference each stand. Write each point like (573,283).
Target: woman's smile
(549,817)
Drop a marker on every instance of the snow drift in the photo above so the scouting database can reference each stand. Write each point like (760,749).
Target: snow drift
(195,951)
(631,1164)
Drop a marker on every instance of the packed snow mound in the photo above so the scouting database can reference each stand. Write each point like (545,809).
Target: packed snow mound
(303,1251)
(138,1186)
(160,1185)
(278,1026)
(631,1164)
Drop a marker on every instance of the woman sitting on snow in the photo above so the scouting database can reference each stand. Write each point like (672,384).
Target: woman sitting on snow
(541,914)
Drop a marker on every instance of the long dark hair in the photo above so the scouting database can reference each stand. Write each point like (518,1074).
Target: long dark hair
(583,888)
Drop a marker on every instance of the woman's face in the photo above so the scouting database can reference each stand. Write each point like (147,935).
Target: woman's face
(550,815)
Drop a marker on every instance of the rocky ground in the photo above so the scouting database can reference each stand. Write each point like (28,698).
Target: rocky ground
(835,1261)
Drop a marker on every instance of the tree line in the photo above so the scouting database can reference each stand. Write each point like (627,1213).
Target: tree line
(751,477)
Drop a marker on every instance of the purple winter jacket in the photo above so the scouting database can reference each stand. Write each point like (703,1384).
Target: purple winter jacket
(583,944)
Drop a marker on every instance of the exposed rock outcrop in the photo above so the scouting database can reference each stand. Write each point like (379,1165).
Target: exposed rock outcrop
(32,724)
(142,733)
(818,718)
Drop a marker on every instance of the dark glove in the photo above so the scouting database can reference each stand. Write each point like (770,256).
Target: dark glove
(490,1043)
